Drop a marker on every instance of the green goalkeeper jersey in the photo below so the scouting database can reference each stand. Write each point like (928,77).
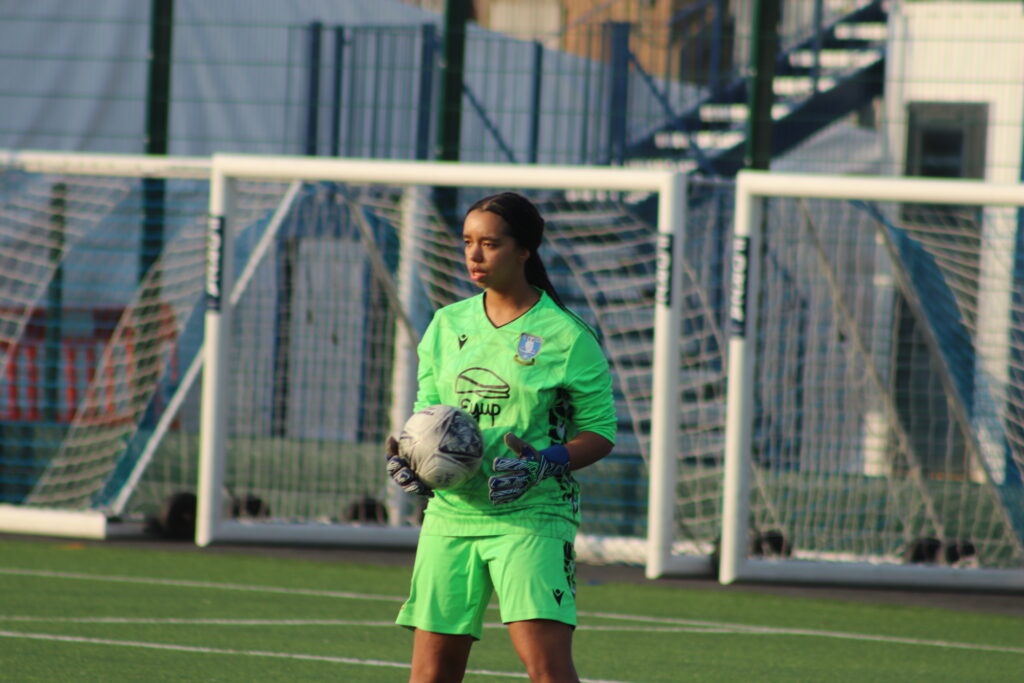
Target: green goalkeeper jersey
(542,376)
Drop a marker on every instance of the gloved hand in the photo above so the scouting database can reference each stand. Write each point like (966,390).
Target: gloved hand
(514,476)
(403,475)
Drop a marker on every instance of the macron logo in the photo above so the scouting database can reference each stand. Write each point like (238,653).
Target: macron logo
(558,595)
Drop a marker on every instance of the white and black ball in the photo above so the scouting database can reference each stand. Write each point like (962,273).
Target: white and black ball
(442,445)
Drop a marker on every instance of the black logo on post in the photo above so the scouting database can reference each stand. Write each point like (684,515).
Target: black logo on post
(663,274)
(214,263)
(738,293)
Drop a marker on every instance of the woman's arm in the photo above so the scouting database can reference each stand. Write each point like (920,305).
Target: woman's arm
(586,448)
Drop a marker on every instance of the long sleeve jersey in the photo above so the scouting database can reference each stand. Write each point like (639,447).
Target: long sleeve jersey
(542,376)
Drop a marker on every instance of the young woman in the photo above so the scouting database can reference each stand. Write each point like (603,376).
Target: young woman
(535,378)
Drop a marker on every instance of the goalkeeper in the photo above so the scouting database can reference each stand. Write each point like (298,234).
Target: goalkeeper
(534,376)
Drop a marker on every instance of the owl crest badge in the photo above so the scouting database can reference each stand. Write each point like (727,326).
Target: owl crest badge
(529,347)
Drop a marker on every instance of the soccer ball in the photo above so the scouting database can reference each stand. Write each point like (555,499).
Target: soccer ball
(442,445)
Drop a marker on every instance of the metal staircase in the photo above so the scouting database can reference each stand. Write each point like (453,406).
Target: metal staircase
(817,81)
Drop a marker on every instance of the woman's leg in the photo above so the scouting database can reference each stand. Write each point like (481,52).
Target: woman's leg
(439,657)
(545,647)
(448,598)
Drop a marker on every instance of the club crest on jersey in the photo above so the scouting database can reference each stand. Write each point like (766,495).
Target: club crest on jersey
(529,347)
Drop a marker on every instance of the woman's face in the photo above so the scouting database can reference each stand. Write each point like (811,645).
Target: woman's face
(493,258)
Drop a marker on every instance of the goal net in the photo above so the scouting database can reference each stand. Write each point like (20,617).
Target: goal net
(875,389)
(313,365)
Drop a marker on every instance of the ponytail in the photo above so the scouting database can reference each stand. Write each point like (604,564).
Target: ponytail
(537,275)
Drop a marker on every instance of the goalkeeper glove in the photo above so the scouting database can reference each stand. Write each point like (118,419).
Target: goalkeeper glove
(398,468)
(514,476)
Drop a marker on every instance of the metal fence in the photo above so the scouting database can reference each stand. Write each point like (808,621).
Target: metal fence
(612,87)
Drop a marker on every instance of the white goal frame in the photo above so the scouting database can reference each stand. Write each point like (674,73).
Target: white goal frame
(737,564)
(213,526)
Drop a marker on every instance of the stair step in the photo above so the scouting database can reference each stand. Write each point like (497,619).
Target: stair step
(790,86)
(679,165)
(835,59)
(737,113)
(705,139)
(863,30)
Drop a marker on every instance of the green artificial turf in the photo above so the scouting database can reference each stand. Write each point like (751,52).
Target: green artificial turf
(111,612)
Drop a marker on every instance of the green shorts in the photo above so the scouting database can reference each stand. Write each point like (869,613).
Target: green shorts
(454,577)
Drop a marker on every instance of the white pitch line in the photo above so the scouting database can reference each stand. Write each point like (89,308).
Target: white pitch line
(174,621)
(200,649)
(710,626)
(725,627)
(201,584)
(676,621)
(195,649)
(889,639)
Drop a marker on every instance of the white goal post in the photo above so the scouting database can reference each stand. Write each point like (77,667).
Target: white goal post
(873,406)
(221,349)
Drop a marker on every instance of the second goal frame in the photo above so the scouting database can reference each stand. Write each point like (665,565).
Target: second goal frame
(905,202)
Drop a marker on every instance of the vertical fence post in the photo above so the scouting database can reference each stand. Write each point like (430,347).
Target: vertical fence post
(717,39)
(537,71)
(763,45)
(585,156)
(456,16)
(158,106)
(158,86)
(154,190)
(55,305)
(428,58)
(818,41)
(618,90)
(314,34)
(337,84)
